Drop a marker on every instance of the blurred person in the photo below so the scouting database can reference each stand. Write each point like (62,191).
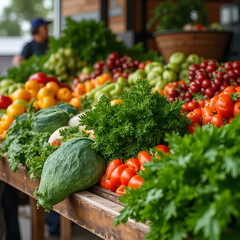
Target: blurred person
(38,45)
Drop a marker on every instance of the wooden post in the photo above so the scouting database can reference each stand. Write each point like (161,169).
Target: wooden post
(38,221)
(66,228)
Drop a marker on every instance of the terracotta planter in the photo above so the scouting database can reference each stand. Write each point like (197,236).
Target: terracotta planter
(207,44)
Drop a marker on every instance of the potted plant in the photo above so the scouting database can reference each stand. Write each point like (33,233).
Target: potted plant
(182,26)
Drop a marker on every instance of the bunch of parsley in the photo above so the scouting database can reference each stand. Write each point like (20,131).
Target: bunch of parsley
(139,123)
(194,193)
(24,145)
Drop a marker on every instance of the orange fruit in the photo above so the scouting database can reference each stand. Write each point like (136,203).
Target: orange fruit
(54,86)
(89,85)
(6,121)
(33,93)
(15,109)
(3,135)
(64,94)
(80,89)
(116,101)
(47,102)
(32,85)
(36,104)
(75,102)
(20,94)
(44,92)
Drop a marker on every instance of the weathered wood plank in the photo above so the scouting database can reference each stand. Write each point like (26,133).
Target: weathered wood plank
(85,208)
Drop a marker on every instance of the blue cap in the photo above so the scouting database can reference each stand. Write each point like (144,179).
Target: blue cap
(39,21)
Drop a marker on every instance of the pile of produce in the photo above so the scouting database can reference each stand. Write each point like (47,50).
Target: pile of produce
(8,86)
(27,138)
(192,192)
(64,65)
(138,123)
(119,175)
(207,79)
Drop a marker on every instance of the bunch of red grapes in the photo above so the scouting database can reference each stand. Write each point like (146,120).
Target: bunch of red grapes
(209,78)
(118,66)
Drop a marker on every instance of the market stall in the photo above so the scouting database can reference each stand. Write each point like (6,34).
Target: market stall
(94,210)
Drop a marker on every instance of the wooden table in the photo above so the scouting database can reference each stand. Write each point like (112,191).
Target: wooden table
(93,210)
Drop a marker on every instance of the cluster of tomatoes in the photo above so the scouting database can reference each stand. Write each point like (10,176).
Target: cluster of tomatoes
(206,80)
(45,91)
(219,110)
(81,88)
(119,175)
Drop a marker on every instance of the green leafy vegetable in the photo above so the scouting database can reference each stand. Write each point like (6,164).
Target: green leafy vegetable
(194,192)
(28,67)
(72,132)
(93,41)
(140,122)
(25,146)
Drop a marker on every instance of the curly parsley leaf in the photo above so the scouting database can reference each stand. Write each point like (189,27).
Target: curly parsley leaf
(194,192)
(139,123)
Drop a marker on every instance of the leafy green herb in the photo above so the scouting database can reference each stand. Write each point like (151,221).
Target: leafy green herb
(25,146)
(72,132)
(194,192)
(28,67)
(93,41)
(140,122)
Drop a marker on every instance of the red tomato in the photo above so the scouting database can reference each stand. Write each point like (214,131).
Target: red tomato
(217,120)
(212,103)
(112,166)
(193,117)
(56,142)
(115,176)
(224,105)
(143,157)
(142,168)
(126,175)
(229,89)
(236,109)
(163,148)
(39,77)
(120,190)
(106,183)
(142,65)
(135,182)
(133,163)
(185,107)
(192,105)
(52,79)
(5,101)
(201,103)
(191,128)
(207,115)
(198,112)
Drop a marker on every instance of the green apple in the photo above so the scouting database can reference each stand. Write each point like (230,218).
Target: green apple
(174,67)
(151,65)
(185,65)
(177,58)
(87,70)
(153,74)
(169,76)
(154,81)
(141,74)
(160,85)
(122,81)
(193,59)
(183,75)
